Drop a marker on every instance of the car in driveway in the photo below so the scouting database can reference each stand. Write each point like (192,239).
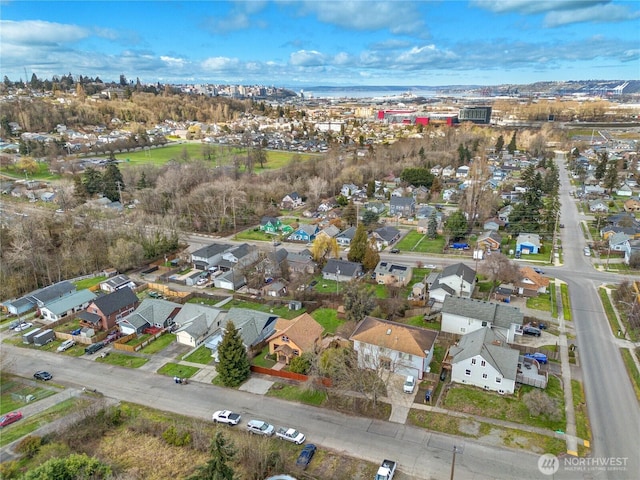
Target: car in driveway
(258,427)
(533,331)
(94,348)
(66,345)
(10,418)
(226,416)
(42,375)
(306,455)
(409,384)
(23,326)
(202,281)
(540,357)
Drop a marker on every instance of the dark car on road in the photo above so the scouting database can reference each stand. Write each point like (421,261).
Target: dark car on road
(306,455)
(94,348)
(394,250)
(42,375)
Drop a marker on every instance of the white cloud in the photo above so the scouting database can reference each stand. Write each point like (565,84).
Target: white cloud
(307,58)
(596,14)
(220,64)
(173,62)
(36,32)
(535,6)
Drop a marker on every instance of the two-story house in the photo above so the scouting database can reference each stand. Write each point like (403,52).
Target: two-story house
(391,273)
(105,311)
(208,256)
(402,206)
(291,201)
(395,347)
(457,279)
(294,337)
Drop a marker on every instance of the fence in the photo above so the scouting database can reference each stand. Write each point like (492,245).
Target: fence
(121,343)
(288,375)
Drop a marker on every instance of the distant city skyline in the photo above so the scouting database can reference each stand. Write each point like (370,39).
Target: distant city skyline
(300,44)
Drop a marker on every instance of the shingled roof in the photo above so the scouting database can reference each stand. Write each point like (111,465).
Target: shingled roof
(395,336)
(494,313)
(303,330)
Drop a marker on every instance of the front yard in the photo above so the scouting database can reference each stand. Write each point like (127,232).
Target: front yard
(418,242)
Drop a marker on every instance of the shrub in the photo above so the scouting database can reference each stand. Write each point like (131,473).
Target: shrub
(541,404)
(176,438)
(29,445)
(300,364)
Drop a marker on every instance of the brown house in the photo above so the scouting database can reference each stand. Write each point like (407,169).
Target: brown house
(632,205)
(294,337)
(104,312)
(531,283)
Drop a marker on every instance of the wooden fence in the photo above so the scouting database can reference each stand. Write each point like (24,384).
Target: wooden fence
(288,375)
(121,343)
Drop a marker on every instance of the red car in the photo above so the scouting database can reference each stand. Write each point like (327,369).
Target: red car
(9,418)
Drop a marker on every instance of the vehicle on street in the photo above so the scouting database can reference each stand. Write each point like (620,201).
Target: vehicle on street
(587,251)
(387,470)
(540,357)
(291,435)
(409,384)
(66,345)
(306,455)
(9,418)
(562,225)
(430,265)
(94,348)
(42,375)
(23,326)
(538,271)
(536,332)
(518,255)
(394,250)
(226,416)
(259,427)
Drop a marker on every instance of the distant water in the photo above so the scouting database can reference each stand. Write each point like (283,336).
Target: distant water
(365,92)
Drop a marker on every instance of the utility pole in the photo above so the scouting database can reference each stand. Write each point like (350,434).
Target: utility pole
(453,461)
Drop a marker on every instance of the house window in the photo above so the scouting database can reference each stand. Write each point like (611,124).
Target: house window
(462,329)
(498,380)
(296,353)
(367,358)
(483,363)
(285,338)
(484,324)
(467,372)
(484,375)
(473,361)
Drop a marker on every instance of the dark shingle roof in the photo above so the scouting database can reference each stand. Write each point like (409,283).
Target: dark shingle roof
(492,348)
(211,250)
(494,313)
(57,290)
(113,302)
(346,268)
(459,270)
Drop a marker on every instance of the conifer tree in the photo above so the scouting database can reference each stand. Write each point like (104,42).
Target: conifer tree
(358,246)
(233,367)
(222,452)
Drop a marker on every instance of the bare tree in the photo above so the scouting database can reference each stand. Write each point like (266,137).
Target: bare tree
(498,268)
(317,186)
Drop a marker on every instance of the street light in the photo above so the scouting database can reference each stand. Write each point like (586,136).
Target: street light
(337,282)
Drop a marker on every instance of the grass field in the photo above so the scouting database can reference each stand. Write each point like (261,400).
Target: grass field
(328,318)
(201,355)
(418,242)
(14,391)
(632,370)
(297,394)
(608,309)
(566,304)
(123,360)
(89,282)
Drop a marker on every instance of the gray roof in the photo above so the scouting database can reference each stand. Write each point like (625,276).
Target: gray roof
(387,233)
(493,349)
(112,302)
(190,311)
(211,250)
(532,238)
(117,281)
(254,326)
(51,292)
(495,313)
(153,311)
(385,267)
(460,270)
(68,302)
(197,327)
(272,220)
(348,233)
(308,229)
(436,285)
(346,268)
(402,201)
(89,317)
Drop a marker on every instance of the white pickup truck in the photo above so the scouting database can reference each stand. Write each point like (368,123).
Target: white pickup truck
(386,470)
(291,435)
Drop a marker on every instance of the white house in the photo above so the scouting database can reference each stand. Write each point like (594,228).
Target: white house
(115,283)
(394,347)
(62,307)
(462,315)
(483,359)
(457,279)
(196,323)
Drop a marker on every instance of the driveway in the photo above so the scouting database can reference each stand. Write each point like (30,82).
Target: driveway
(400,402)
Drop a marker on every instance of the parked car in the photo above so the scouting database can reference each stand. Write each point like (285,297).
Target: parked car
(9,418)
(443,375)
(587,251)
(409,384)
(259,427)
(562,225)
(226,416)
(431,266)
(42,375)
(23,326)
(540,357)
(538,271)
(394,250)
(290,435)
(536,332)
(94,348)
(66,345)
(77,331)
(306,455)
(202,281)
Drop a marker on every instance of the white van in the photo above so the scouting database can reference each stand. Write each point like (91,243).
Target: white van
(587,251)
(409,384)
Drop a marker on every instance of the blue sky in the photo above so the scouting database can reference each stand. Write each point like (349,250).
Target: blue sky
(305,43)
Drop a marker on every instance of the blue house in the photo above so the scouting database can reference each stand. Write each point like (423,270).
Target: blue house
(528,243)
(305,233)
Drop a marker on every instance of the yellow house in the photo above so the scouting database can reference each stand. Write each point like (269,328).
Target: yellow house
(294,337)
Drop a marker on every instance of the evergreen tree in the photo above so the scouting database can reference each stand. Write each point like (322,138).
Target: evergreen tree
(371,188)
(92,181)
(142,182)
(601,167)
(350,214)
(432,226)
(500,144)
(512,144)
(112,182)
(79,190)
(370,217)
(222,452)
(358,247)
(611,177)
(457,225)
(371,257)
(233,366)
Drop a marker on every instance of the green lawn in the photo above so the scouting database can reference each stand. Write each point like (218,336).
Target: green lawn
(280,310)
(159,344)
(297,394)
(122,360)
(177,370)
(580,406)
(14,390)
(608,310)
(541,302)
(475,401)
(418,242)
(42,173)
(263,359)
(201,355)
(552,298)
(328,318)
(89,282)
(632,370)
(566,304)
(29,424)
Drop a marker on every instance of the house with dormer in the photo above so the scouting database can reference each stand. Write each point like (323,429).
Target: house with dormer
(294,337)
(291,201)
(531,283)
(457,279)
(104,312)
(305,233)
(270,225)
(462,315)
(395,347)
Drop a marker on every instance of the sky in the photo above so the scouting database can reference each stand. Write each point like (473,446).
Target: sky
(323,42)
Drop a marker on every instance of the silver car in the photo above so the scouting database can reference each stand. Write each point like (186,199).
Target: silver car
(260,428)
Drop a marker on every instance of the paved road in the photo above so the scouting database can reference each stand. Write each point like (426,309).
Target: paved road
(421,454)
